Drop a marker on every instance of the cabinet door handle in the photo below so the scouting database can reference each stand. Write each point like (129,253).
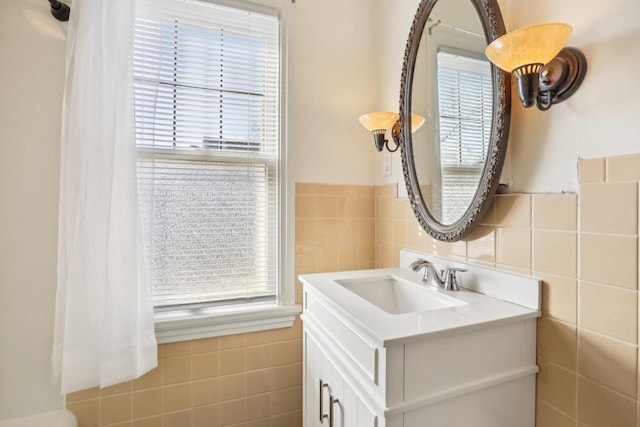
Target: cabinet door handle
(332,401)
(322,414)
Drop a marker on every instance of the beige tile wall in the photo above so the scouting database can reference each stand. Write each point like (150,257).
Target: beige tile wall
(247,380)
(585,249)
(335,228)
(252,379)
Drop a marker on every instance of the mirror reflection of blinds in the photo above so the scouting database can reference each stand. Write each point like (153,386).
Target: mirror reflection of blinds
(206,98)
(465,102)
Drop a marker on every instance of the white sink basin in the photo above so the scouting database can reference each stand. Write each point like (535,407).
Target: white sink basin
(397,296)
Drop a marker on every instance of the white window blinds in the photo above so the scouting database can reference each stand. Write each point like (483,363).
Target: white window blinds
(207,110)
(465,102)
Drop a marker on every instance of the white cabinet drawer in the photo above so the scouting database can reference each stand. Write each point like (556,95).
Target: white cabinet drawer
(363,354)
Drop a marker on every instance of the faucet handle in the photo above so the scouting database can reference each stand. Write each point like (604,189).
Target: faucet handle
(451,278)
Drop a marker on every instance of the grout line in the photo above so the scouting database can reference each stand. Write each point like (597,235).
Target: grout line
(591,233)
(559,321)
(559,410)
(578,274)
(607,388)
(600,334)
(607,285)
(533,245)
(556,365)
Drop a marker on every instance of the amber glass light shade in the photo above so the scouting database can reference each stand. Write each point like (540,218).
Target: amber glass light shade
(536,44)
(378,120)
(416,122)
(386,119)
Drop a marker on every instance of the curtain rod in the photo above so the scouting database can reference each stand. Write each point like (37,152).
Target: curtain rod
(451,27)
(59,10)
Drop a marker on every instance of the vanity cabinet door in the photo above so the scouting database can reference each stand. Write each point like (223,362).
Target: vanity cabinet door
(319,386)
(354,412)
(326,390)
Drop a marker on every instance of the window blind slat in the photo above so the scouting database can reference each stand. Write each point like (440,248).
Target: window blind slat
(206,101)
(465,108)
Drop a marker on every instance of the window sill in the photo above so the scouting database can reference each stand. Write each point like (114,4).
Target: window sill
(183,325)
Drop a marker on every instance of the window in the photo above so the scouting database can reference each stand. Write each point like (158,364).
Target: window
(207,108)
(465,102)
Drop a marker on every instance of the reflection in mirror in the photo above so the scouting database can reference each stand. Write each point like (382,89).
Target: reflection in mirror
(452,89)
(464,108)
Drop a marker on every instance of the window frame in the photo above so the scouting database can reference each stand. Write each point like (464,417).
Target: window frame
(446,206)
(182,323)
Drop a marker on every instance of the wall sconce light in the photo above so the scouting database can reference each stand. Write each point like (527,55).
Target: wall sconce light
(379,122)
(546,72)
(59,10)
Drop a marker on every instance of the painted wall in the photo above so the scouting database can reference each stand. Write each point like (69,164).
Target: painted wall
(599,120)
(334,82)
(31,73)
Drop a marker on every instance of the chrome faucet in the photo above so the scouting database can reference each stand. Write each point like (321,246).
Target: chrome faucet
(447,280)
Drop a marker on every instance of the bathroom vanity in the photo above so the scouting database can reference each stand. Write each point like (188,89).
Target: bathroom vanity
(382,349)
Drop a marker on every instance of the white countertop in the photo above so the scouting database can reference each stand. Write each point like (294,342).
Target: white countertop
(383,329)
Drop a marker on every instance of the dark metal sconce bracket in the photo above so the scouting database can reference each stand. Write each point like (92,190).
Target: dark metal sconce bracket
(59,10)
(379,139)
(395,134)
(561,77)
(381,142)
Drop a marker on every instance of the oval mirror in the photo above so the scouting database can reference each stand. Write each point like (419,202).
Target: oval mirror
(452,164)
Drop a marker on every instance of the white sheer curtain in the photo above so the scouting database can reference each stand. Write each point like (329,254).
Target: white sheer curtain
(104,332)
